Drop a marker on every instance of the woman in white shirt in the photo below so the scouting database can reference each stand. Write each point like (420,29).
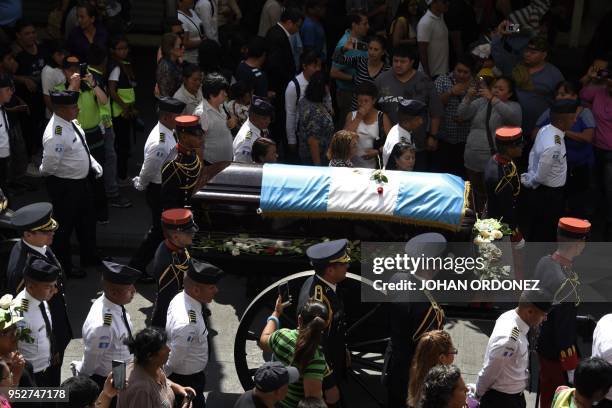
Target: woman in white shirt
(190,91)
(370,124)
(52,74)
(194,32)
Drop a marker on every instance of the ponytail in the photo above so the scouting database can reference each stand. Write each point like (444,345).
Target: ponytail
(314,315)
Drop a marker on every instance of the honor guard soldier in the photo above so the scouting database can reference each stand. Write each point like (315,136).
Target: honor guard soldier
(557,342)
(182,171)
(187,329)
(37,226)
(40,286)
(502,181)
(410,318)
(261,114)
(331,262)
(108,324)
(67,165)
(547,172)
(157,149)
(505,374)
(172,259)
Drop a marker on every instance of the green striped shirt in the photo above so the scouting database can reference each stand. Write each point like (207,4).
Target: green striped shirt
(282,342)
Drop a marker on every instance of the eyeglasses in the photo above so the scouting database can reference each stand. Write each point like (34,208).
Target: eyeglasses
(453,351)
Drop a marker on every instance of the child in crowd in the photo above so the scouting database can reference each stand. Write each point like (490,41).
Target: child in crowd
(342,148)
(238,105)
(264,151)
(402,157)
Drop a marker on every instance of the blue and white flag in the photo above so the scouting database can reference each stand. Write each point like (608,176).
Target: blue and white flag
(416,198)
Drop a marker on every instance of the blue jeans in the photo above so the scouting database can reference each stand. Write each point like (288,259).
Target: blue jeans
(110,165)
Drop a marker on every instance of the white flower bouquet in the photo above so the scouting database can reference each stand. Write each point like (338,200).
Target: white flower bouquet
(487,231)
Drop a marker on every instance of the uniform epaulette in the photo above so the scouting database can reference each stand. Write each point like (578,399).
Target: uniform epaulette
(192,316)
(514,335)
(318,293)
(108,319)
(557,139)
(58,130)
(248,135)
(162,137)
(25,305)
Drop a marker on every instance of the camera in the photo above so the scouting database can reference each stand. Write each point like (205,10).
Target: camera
(83,70)
(360,45)
(514,28)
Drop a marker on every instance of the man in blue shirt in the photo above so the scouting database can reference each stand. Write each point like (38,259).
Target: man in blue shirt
(344,74)
(312,32)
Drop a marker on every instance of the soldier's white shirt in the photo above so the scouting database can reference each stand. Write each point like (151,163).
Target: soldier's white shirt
(396,134)
(157,148)
(243,142)
(39,351)
(602,342)
(187,336)
(547,159)
(64,154)
(103,334)
(506,360)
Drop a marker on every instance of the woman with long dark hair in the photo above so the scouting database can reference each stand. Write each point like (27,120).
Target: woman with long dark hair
(299,348)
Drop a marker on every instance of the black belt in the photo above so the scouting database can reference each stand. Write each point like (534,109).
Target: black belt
(543,187)
(505,394)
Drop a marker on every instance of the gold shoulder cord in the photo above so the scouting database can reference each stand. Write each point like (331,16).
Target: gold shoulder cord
(438,319)
(572,280)
(190,170)
(320,297)
(507,179)
(177,269)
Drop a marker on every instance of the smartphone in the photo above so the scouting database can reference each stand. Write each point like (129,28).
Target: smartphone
(481,83)
(83,69)
(514,28)
(119,374)
(283,291)
(361,45)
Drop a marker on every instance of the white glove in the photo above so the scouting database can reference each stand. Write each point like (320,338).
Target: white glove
(524,180)
(570,376)
(97,169)
(137,185)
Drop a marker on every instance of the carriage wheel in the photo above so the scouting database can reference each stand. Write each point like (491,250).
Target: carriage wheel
(367,335)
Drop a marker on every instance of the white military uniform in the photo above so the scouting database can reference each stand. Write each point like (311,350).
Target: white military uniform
(547,160)
(243,142)
(38,353)
(158,146)
(187,336)
(65,152)
(602,342)
(506,359)
(103,334)
(396,134)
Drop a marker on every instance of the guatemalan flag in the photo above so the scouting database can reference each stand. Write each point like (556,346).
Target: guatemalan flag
(417,198)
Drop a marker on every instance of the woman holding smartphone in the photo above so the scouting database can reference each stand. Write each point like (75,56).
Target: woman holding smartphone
(147,385)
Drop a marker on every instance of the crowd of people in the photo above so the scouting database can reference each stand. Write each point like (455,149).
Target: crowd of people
(441,86)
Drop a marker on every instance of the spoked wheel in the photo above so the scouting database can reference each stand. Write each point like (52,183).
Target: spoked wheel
(367,337)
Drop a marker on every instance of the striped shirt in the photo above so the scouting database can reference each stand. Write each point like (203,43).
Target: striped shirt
(362,74)
(531,15)
(282,342)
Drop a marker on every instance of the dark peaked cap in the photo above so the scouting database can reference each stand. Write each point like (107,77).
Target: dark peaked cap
(119,274)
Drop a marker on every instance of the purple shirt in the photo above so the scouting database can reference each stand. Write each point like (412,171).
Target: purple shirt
(78,44)
(602,110)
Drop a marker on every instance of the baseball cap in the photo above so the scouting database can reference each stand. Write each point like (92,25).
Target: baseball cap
(273,375)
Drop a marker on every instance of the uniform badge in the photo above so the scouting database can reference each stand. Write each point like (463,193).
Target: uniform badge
(162,137)
(192,316)
(108,319)
(25,304)
(59,148)
(58,130)
(557,139)
(515,333)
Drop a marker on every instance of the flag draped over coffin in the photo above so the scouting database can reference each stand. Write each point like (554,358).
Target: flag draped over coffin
(433,199)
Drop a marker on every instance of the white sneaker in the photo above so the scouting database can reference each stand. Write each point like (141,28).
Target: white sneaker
(33,170)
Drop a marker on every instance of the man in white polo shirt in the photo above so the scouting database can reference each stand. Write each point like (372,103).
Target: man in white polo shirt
(432,38)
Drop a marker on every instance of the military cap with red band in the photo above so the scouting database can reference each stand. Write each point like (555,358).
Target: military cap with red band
(509,135)
(179,219)
(188,124)
(573,227)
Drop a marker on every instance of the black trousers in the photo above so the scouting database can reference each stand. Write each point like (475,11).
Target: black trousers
(396,377)
(496,399)
(145,253)
(4,174)
(196,381)
(605,403)
(73,208)
(449,158)
(123,139)
(50,377)
(542,208)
